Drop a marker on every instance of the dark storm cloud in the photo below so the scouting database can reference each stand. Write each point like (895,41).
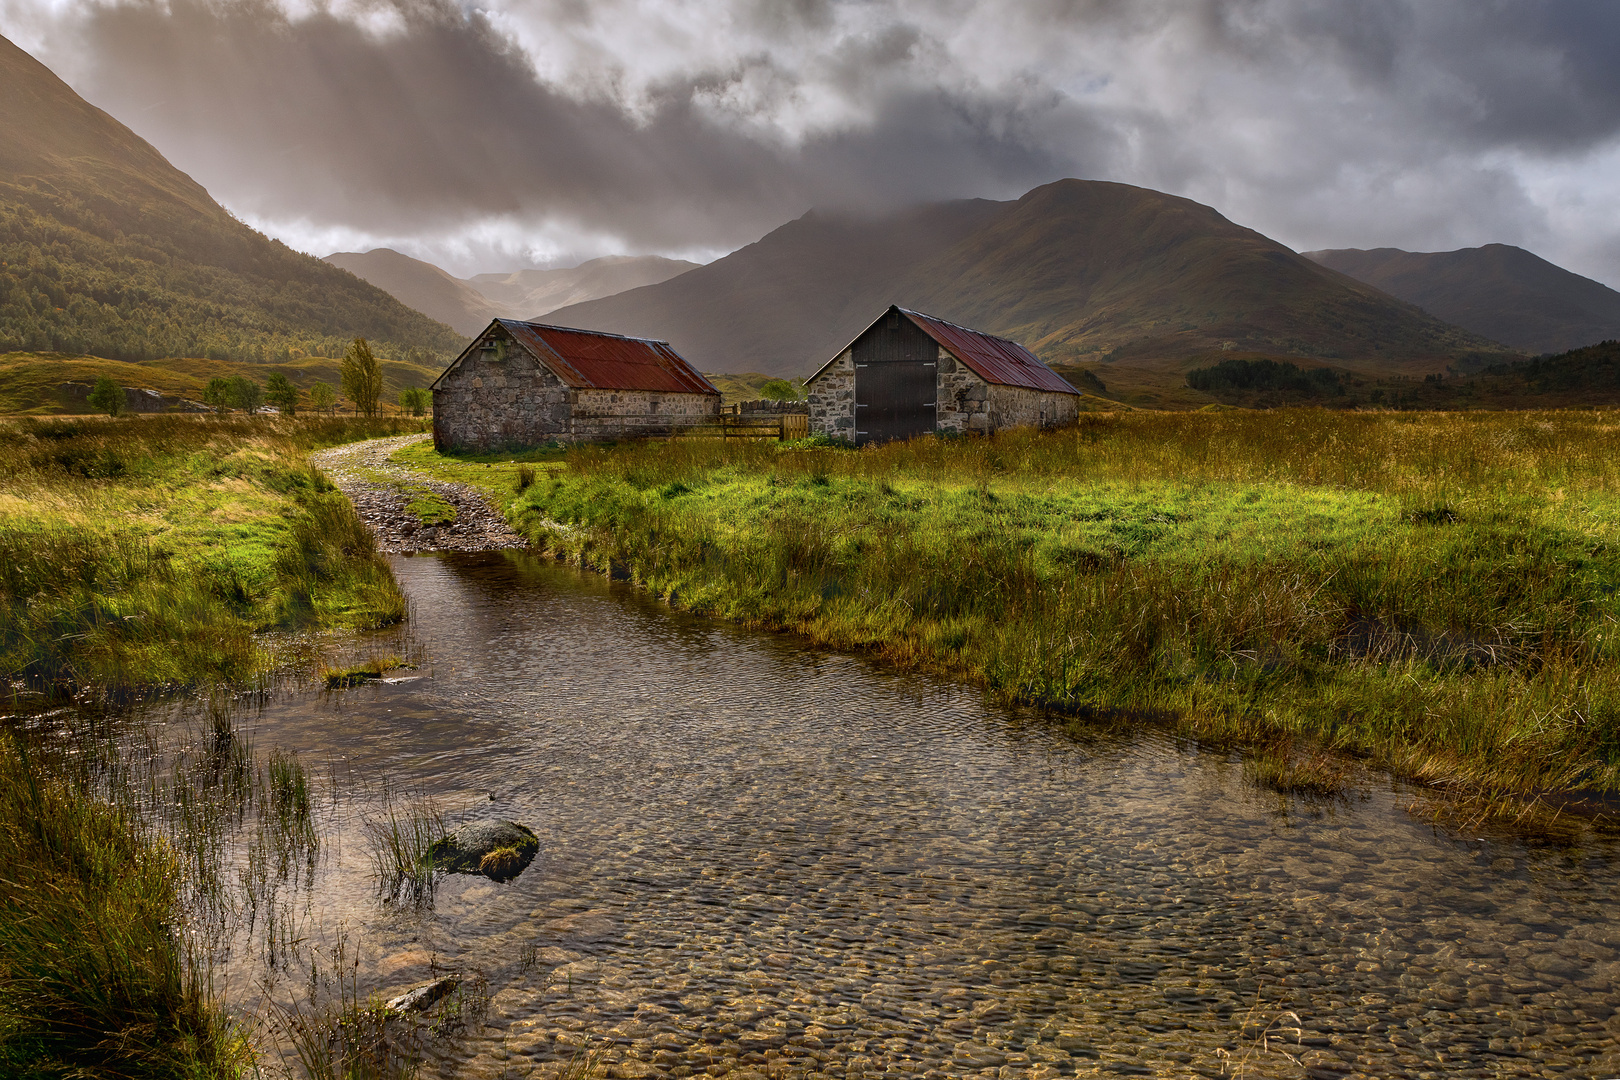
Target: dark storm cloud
(465,134)
(436,118)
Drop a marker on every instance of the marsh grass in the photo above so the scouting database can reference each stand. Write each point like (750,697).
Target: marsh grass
(148,554)
(369,670)
(1437,593)
(93,975)
(401,837)
(336,1033)
(1313,773)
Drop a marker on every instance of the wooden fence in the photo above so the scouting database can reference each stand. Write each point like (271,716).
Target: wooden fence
(783,427)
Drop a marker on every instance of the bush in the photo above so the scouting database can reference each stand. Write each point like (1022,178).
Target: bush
(107,396)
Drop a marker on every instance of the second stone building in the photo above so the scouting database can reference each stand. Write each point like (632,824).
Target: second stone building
(909,374)
(524,384)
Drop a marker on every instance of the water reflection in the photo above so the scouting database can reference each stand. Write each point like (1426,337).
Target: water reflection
(761,858)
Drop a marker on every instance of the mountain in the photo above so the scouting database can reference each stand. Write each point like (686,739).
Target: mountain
(1078,270)
(528,294)
(423,286)
(106,248)
(1498,291)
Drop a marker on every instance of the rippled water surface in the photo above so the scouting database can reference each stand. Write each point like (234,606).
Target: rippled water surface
(758,858)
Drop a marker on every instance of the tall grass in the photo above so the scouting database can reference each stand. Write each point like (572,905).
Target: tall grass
(1438,592)
(150,553)
(401,838)
(92,980)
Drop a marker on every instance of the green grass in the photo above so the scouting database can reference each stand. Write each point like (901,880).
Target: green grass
(151,552)
(1438,593)
(92,980)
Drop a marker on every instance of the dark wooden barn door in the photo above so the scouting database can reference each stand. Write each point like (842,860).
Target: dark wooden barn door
(896,376)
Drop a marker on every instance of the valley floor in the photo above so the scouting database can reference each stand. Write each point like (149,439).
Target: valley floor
(1438,594)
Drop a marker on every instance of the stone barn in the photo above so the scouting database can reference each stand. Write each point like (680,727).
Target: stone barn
(523,384)
(909,373)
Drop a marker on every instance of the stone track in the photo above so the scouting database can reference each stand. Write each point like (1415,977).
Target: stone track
(380,490)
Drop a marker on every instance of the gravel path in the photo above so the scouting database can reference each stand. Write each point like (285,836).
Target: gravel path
(380,489)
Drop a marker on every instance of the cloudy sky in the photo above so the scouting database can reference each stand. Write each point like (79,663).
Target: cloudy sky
(539,132)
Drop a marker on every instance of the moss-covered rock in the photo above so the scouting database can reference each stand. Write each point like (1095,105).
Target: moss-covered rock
(500,850)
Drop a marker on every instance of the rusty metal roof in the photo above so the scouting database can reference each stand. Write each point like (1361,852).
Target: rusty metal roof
(592,360)
(993,359)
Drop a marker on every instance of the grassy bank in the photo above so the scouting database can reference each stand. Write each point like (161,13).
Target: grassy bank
(147,552)
(1434,592)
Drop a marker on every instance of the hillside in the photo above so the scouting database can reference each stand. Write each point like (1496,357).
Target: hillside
(1500,292)
(106,248)
(1081,271)
(529,294)
(423,286)
(47,383)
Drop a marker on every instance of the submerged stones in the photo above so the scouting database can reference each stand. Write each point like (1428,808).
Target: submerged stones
(494,847)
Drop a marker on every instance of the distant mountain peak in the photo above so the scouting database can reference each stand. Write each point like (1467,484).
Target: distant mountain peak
(1498,291)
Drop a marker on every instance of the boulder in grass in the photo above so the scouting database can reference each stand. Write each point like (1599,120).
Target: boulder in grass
(500,850)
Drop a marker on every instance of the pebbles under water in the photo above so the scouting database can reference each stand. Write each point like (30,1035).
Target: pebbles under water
(762,859)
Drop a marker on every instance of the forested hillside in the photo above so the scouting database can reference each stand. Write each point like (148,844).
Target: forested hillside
(107,249)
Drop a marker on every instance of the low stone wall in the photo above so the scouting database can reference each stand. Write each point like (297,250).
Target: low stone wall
(611,414)
(1016,406)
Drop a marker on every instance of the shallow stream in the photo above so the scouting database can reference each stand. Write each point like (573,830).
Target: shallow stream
(762,858)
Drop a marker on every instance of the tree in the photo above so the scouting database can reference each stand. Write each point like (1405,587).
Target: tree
(245,394)
(107,396)
(217,393)
(321,396)
(362,377)
(415,399)
(280,392)
(779,390)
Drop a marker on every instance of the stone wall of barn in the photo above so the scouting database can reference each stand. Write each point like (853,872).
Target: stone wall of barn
(613,414)
(832,399)
(1016,406)
(963,402)
(499,398)
(507,398)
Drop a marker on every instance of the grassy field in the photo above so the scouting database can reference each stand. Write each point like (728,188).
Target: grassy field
(151,552)
(30,383)
(1436,593)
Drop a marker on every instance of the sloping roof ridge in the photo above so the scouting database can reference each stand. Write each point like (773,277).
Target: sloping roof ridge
(582,330)
(964,329)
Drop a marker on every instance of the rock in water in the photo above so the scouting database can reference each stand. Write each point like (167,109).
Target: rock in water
(498,849)
(422,997)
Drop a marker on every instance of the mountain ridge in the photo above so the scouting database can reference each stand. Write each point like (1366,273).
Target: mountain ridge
(107,248)
(1498,291)
(1081,271)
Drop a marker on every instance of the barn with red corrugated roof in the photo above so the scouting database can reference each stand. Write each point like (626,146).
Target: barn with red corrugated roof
(525,384)
(910,374)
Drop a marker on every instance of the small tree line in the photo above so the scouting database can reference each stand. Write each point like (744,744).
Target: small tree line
(360,375)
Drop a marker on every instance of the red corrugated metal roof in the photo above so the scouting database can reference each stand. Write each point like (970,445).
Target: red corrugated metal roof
(588,359)
(994,359)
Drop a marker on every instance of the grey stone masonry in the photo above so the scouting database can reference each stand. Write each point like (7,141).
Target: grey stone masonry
(965,403)
(832,399)
(963,400)
(505,397)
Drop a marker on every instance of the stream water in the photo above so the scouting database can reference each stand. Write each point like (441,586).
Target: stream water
(762,858)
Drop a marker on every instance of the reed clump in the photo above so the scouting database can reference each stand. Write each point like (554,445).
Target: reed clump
(92,976)
(150,553)
(401,838)
(1433,592)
